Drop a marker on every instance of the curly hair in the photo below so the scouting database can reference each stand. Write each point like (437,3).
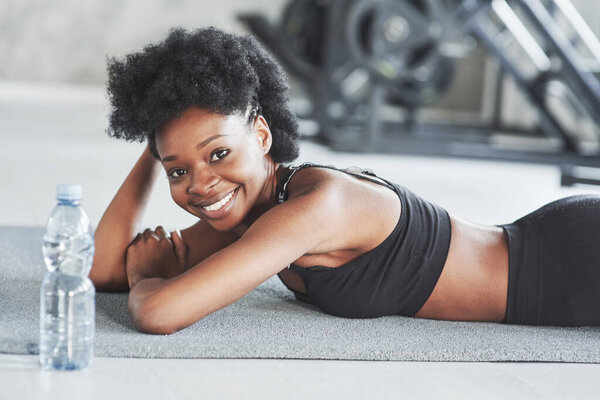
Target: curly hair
(214,70)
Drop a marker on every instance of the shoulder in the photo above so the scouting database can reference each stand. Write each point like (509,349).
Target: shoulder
(352,212)
(321,208)
(315,182)
(309,214)
(338,186)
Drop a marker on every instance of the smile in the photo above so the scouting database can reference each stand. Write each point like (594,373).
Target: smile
(219,204)
(219,208)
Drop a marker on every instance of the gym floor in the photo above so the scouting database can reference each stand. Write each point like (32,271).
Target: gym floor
(54,134)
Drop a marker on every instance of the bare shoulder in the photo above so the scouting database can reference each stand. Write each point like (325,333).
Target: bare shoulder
(313,181)
(321,189)
(357,214)
(340,185)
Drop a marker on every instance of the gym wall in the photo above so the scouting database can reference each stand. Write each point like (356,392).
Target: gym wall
(67,40)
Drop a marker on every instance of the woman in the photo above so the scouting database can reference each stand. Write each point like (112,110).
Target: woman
(213,108)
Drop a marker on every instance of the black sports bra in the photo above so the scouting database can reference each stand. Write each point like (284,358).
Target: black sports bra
(396,277)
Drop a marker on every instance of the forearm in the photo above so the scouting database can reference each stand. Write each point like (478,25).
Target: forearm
(120,223)
(161,305)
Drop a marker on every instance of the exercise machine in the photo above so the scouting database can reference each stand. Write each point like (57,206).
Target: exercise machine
(373,68)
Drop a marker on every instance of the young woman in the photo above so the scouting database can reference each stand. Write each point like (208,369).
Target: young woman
(213,109)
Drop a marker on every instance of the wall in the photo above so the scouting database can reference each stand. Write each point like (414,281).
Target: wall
(68,40)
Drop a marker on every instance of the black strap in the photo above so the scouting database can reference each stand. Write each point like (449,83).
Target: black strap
(361,173)
(282,194)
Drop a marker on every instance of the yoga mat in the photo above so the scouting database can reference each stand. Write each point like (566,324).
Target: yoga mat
(270,323)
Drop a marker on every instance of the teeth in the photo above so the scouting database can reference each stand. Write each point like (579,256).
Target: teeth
(217,206)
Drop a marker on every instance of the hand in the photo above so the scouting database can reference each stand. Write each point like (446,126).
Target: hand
(154,255)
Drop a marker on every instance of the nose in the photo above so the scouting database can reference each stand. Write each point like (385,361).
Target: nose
(202,182)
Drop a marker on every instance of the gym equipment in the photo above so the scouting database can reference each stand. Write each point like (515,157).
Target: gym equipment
(371,68)
(396,41)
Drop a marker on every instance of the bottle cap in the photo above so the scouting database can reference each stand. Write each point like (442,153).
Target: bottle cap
(68,192)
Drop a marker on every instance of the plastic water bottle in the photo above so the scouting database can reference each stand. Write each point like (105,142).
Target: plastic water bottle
(67,296)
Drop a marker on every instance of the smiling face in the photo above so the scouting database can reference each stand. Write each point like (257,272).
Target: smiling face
(218,166)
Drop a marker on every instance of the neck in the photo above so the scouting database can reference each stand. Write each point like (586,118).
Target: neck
(267,197)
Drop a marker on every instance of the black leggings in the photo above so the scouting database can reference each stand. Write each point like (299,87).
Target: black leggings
(554,264)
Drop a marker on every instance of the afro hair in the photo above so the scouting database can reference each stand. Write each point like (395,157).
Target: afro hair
(214,70)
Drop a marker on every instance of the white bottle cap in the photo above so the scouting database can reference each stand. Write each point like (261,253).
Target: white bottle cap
(68,192)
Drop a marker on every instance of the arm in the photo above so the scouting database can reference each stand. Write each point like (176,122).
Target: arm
(119,225)
(276,239)
(154,254)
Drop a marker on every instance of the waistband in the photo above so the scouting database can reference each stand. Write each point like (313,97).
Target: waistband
(524,275)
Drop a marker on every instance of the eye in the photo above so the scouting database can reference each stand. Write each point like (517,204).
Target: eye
(218,155)
(176,173)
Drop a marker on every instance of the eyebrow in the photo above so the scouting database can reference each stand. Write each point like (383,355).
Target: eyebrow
(198,147)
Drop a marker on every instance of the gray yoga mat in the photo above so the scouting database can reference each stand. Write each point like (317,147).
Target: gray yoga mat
(270,323)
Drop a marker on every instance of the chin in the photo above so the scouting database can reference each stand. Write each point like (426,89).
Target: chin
(224,225)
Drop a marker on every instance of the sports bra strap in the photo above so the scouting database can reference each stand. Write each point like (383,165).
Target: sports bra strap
(361,173)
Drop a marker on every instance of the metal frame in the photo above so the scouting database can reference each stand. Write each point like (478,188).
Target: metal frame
(529,23)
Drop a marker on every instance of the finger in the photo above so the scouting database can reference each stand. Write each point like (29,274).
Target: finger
(176,239)
(147,233)
(150,234)
(160,231)
(180,247)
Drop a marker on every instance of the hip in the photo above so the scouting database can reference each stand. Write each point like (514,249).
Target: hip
(554,276)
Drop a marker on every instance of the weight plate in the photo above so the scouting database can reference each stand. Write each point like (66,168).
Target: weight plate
(395,39)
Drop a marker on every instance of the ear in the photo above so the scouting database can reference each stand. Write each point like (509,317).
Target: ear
(263,134)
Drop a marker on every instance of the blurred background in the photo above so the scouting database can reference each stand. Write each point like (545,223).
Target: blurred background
(489,108)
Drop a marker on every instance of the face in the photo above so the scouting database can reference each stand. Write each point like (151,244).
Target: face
(218,166)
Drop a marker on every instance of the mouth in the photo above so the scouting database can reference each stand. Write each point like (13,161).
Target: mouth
(218,208)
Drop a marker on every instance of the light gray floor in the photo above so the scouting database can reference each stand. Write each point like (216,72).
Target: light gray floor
(55,134)
(20,378)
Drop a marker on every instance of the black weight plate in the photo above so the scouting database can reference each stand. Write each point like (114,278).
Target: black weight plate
(393,38)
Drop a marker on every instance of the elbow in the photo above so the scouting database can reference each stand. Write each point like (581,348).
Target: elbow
(104,282)
(149,317)
(149,326)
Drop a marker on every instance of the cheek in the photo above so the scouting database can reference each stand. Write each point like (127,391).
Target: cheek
(178,194)
(246,170)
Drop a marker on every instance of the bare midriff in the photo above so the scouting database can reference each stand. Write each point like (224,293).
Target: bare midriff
(473,285)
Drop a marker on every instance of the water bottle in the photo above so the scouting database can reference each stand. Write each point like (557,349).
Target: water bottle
(67,296)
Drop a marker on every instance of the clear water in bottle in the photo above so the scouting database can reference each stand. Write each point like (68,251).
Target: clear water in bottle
(67,296)
(67,322)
